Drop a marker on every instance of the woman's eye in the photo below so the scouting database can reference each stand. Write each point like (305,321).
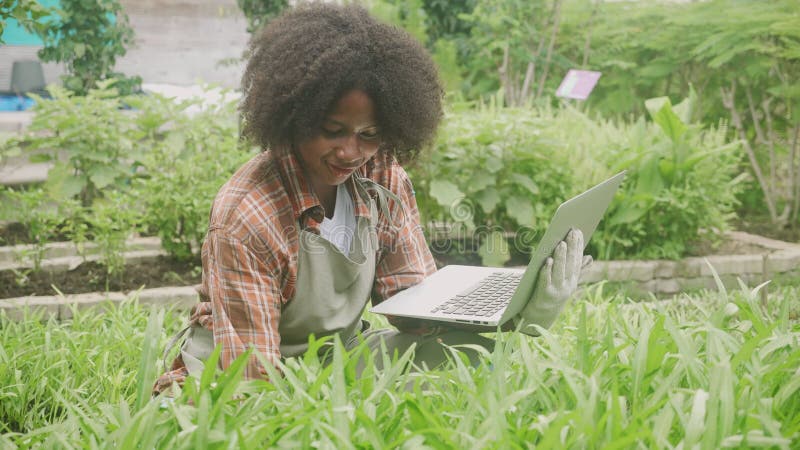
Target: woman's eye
(331,131)
(370,134)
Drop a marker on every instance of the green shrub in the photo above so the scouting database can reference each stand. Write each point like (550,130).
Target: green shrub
(680,189)
(507,169)
(90,139)
(190,158)
(491,171)
(111,221)
(87,36)
(41,217)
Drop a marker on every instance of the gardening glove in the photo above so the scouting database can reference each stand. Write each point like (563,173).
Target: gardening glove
(558,280)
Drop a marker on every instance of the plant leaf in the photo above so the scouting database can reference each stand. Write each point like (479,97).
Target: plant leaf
(102,176)
(494,250)
(488,199)
(661,111)
(526,182)
(445,192)
(520,209)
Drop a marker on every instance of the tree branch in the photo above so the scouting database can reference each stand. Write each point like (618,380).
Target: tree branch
(729,103)
(756,123)
(556,25)
(587,43)
(794,173)
(771,142)
(526,84)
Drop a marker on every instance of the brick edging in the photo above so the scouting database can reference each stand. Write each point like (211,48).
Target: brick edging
(62,307)
(63,256)
(672,277)
(656,276)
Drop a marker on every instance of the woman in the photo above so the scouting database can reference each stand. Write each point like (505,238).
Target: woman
(304,234)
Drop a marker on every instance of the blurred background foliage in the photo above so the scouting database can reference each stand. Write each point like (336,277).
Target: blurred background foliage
(700,101)
(739,59)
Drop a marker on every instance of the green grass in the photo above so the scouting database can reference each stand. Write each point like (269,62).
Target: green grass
(713,370)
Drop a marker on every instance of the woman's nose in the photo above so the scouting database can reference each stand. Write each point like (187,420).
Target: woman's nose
(350,149)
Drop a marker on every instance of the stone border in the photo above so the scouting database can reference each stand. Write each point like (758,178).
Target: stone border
(64,256)
(645,277)
(62,307)
(671,277)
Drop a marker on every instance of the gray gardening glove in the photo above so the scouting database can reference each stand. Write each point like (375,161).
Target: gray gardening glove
(558,280)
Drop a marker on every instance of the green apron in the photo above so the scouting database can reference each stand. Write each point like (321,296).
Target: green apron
(332,291)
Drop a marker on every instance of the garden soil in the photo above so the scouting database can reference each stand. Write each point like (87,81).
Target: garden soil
(165,271)
(92,277)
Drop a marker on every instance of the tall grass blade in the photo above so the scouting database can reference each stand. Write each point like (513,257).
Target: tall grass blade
(717,280)
(147,362)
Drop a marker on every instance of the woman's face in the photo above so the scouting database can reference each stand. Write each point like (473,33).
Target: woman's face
(348,138)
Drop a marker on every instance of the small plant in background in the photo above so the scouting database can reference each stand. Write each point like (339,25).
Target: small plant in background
(492,172)
(259,12)
(681,187)
(112,221)
(88,36)
(185,167)
(40,216)
(89,139)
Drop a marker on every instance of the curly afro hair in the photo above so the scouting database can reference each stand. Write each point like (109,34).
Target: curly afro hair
(302,62)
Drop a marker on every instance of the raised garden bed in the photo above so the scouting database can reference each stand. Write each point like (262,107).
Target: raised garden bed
(751,258)
(154,278)
(71,275)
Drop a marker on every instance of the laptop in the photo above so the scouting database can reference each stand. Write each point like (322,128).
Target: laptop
(491,296)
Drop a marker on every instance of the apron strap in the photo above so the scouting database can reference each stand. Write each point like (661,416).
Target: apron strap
(367,185)
(171,344)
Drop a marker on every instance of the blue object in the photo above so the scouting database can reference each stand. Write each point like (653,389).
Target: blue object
(15,103)
(14,34)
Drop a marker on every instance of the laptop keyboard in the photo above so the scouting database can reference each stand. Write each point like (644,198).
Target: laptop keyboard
(487,298)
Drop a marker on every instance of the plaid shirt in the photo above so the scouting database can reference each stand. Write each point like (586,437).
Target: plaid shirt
(250,254)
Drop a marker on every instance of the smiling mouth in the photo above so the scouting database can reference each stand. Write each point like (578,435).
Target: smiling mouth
(341,171)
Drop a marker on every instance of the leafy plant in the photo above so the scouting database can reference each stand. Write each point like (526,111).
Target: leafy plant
(112,221)
(681,187)
(42,219)
(89,138)
(505,170)
(153,169)
(190,158)
(714,370)
(28,13)
(259,12)
(491,172)
(88,36)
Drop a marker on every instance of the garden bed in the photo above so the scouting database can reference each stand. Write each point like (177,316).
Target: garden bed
(154,278)
(750,258)
(91,276)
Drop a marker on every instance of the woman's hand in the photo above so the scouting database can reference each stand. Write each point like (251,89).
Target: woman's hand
(558,280)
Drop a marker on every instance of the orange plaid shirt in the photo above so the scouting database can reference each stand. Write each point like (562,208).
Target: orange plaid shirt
(250,254)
